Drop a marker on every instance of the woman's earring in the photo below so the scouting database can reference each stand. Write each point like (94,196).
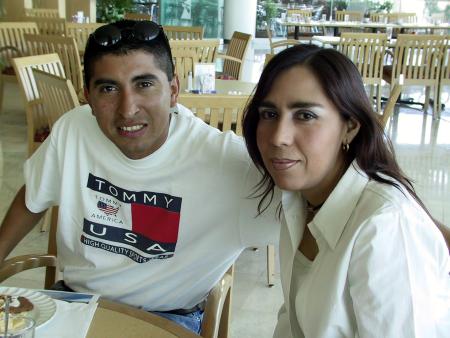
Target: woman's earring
(345,147)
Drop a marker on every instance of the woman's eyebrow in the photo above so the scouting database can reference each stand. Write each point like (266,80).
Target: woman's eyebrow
(297,104)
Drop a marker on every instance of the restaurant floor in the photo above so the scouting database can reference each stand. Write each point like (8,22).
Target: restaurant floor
(423,151)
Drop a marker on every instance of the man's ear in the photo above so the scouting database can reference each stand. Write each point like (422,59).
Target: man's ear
(352,130)
(174,90)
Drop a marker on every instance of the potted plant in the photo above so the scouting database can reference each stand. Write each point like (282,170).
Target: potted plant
(112,10)
(265,13)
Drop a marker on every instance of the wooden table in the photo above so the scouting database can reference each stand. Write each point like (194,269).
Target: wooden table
(114,320)
(372,25)
(334,40)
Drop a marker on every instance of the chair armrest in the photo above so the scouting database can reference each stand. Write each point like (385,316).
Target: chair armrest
(14,265)
(227,57)
(214,306)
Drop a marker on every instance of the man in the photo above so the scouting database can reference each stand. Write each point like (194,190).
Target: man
(153,206)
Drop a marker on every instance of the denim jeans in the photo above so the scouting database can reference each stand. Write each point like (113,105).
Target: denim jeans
(191,321)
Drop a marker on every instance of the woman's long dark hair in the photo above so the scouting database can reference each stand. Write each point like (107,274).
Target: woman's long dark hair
(342,85)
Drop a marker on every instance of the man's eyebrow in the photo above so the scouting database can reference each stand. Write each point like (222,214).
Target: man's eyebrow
(101,81)
(145,77)
(297,104)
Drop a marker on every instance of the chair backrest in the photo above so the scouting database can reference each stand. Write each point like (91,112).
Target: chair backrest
(418,58)
(50,26)
(137,16)
(220,111)
(67,50)
(367,51)
(11,35)
(184,61)
(301,13)
(402,17)
(352,15)
(37,122)
(57,94)
(42,12)
(280,44)
(205,50)
(80,32)
(183,32)
(237,48)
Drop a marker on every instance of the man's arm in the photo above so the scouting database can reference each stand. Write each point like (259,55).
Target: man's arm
(17,223)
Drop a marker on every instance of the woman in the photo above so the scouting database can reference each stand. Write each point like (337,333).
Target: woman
(360,255)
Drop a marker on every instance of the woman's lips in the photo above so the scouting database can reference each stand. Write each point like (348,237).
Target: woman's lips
(283,164)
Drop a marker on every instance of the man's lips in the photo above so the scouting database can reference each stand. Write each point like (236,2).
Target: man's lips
(283,164)
(132,130)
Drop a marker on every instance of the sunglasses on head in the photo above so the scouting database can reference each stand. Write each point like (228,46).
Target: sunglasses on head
(142,31)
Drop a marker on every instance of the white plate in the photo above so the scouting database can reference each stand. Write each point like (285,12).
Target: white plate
(44,307)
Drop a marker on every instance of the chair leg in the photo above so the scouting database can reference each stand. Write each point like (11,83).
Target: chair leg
(426,104)
(270,265)
(436,102)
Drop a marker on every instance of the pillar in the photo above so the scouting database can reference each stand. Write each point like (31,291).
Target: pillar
(239,16)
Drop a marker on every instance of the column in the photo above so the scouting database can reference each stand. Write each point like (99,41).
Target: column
(239,16)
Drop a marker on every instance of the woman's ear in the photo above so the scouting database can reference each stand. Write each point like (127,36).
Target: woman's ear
(352,130)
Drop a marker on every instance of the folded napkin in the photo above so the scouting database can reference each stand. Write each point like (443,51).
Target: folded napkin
(71,320)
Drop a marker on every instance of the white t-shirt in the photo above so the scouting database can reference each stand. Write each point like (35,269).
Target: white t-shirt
(382,269)
(158,232)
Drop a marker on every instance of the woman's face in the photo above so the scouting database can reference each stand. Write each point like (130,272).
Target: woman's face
(300,135)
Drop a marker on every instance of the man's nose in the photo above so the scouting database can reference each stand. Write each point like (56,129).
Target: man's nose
(128,104)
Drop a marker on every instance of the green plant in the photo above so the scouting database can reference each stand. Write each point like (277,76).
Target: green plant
(112,10)
(377,7)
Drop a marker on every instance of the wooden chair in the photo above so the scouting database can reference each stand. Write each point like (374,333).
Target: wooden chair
(398,17)
(444,78)
(183,32)
(280,43)
(224,112)
(206,50)
(234,58)
(42,12)
(304,33)
(137,16)
(67,50)
(50,26)
(57,94)
(352,15)
(80,32)
(184,61)
(37,121)
(216,317)
(418,58)
(12,44)
(367,51)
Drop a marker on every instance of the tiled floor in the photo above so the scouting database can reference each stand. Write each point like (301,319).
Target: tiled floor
(423,150)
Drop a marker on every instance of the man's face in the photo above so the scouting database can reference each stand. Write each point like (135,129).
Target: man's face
(130,97)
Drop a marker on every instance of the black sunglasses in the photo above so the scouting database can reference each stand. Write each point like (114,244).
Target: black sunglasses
(110,35)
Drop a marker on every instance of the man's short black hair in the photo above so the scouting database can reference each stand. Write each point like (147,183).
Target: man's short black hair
(158,47)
